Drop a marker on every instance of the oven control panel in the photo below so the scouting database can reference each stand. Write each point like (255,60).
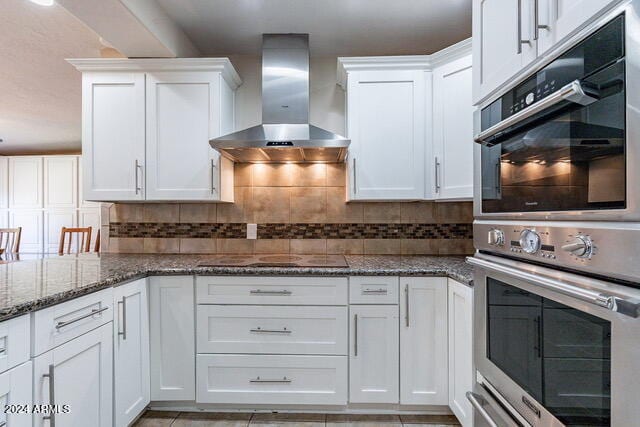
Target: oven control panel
(606,249)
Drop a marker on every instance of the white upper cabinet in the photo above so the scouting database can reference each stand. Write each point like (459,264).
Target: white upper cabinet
(452,130)
(25,182)
(184,111)
(147,124)
(386,125)
(559,18)
(423,341)
(60,182)
(113,135)
(503,42)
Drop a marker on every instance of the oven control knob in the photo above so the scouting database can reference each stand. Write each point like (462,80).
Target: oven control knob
(496,237)
(581,246)
(530,241)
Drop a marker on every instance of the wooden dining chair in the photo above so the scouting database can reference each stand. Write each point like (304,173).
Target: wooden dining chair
(96,247)
(10,239)
(82,237)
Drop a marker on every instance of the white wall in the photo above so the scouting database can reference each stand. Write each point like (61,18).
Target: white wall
(327,106)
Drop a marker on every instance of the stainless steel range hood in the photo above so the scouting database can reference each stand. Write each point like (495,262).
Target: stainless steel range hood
(285,134)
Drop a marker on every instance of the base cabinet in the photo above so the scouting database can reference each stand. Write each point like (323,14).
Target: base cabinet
(272,379)
(423,341)
(460,350)
(78,374)
(374,355)
(130,351)
(171,338)
(16,391)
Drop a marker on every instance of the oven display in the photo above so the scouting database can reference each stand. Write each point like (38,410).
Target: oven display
(559,355)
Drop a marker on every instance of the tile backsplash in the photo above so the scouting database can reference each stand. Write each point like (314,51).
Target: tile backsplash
(299,208)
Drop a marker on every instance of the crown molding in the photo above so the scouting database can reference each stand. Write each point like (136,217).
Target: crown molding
(222,65)
(405,62)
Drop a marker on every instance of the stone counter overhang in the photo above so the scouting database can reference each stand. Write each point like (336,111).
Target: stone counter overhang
(39,281)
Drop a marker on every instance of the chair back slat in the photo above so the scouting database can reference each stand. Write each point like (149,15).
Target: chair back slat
(82,237)
(10,239)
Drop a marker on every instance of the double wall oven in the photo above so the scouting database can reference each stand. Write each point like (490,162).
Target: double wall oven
(557,233)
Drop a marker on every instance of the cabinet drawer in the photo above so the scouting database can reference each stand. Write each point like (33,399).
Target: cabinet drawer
(60,323)
(14,342)
(272,329)
(373,289)
(273,379)
(272,290)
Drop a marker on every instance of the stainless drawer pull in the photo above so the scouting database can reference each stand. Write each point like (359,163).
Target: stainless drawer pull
(406,303)
(355,335)
(374,291)
(77,319)
(123,333)
(261,292)
(3,424)
(271,331)
(52,416)
(3,351)
(260,380)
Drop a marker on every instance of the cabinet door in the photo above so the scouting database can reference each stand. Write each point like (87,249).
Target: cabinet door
(78,374)
(61,182)
(183,113)
(561,18)
(131,351)
(502,42)
(15,389)
(31,238)
(453,130)
(81,201)
(4,182)
(172,342)
(54,220)
(460,350)
(113,138)
(25,182)
(423,341)
(374,358)
(386,124)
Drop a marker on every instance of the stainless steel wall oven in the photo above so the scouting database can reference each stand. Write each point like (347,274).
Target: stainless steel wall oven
(561,143)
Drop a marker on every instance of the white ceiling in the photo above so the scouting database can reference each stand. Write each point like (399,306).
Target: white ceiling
(40,92)
(336,27)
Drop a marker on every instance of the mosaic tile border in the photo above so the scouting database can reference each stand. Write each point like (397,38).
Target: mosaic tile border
(292,231)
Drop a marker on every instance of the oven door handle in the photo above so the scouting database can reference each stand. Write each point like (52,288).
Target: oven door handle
(628,307)
(477,402)
(572,92)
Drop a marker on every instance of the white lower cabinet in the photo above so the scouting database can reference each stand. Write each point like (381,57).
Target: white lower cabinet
(130,351)
(460,350)
(32,237)
(271,329)
(271,379)
(374,354)
(423,341)
(171,337)
(79,374)
(15,394)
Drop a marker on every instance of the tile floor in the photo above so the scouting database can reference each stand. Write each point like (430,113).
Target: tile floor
(219,419)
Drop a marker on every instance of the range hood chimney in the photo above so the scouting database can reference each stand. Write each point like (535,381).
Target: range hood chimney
(285,134)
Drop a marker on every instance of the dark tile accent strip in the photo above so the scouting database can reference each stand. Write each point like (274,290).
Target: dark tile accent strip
(292,231)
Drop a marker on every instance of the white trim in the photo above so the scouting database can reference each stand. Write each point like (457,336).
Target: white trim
(405,62)
(222,65)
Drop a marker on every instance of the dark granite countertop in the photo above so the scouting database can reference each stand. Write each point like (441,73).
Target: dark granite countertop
(38,281)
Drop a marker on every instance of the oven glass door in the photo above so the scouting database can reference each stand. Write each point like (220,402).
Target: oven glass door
(559,355)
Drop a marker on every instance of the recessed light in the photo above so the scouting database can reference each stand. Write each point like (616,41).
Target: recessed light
(43,2)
